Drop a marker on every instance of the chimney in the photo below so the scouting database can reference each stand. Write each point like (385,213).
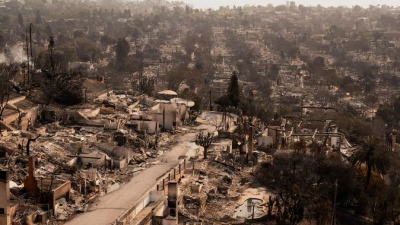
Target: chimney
(30,183)
(173,189)
(172,201)
(5,217)
(31,166)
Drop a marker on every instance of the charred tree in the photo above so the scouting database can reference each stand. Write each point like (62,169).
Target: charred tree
(4,97)
(146,85)
(205,140)
(29,143)
(6,72)
(63,87)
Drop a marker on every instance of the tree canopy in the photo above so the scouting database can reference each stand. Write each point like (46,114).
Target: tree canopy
(233,90)
(122,50)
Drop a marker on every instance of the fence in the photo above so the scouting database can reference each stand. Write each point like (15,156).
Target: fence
(161,185)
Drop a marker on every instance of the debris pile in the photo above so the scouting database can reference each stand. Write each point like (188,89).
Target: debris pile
(70,156)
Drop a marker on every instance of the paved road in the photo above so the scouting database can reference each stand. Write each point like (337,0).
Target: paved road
(110,206)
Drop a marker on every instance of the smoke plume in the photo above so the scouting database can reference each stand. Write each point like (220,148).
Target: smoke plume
(14,54)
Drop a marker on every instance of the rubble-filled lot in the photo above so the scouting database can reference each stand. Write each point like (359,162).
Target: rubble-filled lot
(68,157)
(216,189)
(71,156)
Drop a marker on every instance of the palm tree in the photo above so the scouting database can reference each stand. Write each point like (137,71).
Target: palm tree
(375,156)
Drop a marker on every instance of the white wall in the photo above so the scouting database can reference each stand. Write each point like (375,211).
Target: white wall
(169,119)
(151,126)
(265,140)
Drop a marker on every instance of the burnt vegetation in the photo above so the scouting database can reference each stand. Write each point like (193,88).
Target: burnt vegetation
(285,70)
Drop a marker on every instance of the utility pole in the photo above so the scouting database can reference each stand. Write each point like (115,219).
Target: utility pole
(30,40)
(85,95)
(395,65)
(163,118)
(334,205)
(251,105)
(209,106)
(30,48)
(26,78)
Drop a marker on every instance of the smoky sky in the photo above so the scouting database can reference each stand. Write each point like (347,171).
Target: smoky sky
(215,4)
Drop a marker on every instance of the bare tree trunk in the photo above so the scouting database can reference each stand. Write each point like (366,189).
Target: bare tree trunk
(369,171)
(28,144)
(3,101)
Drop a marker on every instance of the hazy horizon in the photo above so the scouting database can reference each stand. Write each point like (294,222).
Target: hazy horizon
(215,4)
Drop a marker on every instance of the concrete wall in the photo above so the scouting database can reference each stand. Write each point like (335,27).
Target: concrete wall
(152,195)
(168,122)
(265,140)
(271,132)
(334,139)
(182,108)
(160,212)
(155,195)
(150,126)
(15,100)
(4,198)
(143,125)
(120,163)
(97,163)
(131,213)
(62,190)
(170,222)
(31,114)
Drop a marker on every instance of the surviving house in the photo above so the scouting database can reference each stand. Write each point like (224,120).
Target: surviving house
(168,115)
